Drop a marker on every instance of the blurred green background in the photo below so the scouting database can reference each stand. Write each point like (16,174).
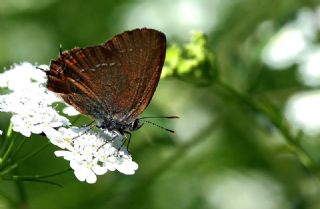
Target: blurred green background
(224,155)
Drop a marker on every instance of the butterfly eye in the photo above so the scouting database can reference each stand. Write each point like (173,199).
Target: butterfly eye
(136,125)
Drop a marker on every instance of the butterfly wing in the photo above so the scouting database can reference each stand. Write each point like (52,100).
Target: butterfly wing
(142,53)
(65,79)
(116,79)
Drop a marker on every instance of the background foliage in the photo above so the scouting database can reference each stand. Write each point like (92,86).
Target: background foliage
(233,147)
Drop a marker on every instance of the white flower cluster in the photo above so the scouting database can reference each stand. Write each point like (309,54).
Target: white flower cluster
(29,101)
(90,153)
(93,153)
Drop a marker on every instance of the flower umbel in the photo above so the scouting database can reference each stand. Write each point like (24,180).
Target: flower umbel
(30,102)
(90,152)
(94,153)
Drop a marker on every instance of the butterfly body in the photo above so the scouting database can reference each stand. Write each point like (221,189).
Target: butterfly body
(112,82)
(121,127)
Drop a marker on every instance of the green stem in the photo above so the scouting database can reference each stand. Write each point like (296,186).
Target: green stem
(42,176)
(9,131)
(304,157)
(8,169)
(17,150)
(5,138)
(21,193)
(38,178)
(21,180)
(7,150)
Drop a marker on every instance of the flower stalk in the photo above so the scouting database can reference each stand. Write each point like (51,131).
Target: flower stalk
(8,149)
(275,118)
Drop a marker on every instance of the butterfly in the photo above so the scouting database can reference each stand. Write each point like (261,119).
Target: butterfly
(112,82)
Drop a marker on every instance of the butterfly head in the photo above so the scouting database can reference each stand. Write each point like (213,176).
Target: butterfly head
(121,127)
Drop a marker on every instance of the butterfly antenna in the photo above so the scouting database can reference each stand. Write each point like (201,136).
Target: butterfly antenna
(166,129)
(60,50)
(168,117)
(43,70)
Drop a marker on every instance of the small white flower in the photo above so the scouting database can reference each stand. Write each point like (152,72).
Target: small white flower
(0,132)
(35,118)
(125,165)
(63,136)
(84,172)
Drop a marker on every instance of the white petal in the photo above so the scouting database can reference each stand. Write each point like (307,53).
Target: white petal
(75,165)
(55,137)
(0,132)
(65,154)
(99,170)
(37,129)
(91,177)
(80,175)
(24,131)
(16,120)
(56,124)
(71,111)
(110,166)
(51,132)
(128,167)
(134,165)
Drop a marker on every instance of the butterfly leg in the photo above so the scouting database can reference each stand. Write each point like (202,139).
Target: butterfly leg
(88,127)
(111,140)
(128,140)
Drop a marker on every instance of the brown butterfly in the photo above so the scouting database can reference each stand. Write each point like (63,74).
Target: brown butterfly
(112,82)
